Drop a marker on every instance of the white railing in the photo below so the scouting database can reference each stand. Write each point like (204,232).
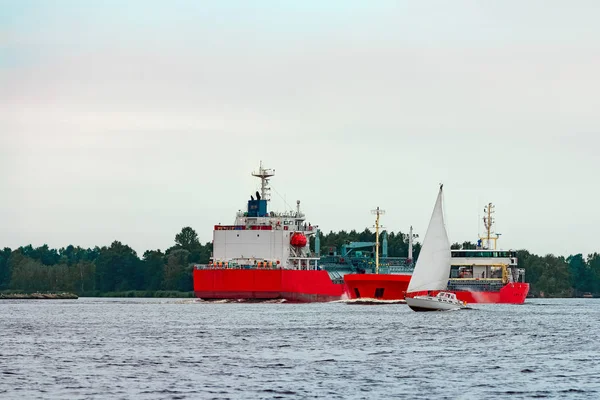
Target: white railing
(273,214)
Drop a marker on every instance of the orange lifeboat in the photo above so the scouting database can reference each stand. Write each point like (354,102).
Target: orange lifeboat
(298,240)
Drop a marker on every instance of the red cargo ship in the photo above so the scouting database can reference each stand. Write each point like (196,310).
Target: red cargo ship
(265,255)
(485,274)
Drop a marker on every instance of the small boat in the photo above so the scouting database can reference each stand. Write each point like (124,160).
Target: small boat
(441,302)
(433,268)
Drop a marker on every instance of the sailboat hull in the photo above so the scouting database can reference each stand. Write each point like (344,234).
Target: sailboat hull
(428,303)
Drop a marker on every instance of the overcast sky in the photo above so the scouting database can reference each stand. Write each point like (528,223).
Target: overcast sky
(129,120)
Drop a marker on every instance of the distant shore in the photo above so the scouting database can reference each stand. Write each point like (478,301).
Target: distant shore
(140,293)
(38,296)
(20,295)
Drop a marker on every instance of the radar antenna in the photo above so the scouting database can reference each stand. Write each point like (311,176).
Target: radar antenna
(264,174)
(488,224)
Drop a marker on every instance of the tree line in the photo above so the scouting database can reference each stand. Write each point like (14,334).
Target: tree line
(117,268)
(103,270)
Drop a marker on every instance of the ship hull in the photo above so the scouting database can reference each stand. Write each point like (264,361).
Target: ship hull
(511,293)
(292,285)
(377,286)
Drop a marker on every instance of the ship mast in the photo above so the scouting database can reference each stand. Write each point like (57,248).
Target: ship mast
(264,174)
(488,223)
(378,212)
(410,244)
(410,236)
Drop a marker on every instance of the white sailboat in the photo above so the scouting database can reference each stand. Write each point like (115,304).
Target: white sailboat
(433,267)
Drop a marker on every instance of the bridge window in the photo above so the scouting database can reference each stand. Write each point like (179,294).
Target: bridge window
(378,293)
(483,254)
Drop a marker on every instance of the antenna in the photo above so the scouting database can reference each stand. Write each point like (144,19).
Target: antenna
(378,212)
(410,244)
(410,236)
(264,174)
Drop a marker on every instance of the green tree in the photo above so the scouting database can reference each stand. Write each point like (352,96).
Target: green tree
(187,239)
(177,272)
(4,268)
(118,268)
(154,267)
(468,246)
(86,273)
(555,279)
(580,274)
(593,262)
(463,246)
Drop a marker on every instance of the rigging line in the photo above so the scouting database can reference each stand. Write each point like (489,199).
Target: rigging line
(282,198)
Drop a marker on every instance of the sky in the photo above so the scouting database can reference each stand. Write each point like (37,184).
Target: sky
(130,120)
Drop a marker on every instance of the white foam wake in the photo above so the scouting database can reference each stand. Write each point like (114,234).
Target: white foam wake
(367,300)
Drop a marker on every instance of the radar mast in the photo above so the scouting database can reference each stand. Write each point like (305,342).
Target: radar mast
(264,174)
(488,224)
(378,212)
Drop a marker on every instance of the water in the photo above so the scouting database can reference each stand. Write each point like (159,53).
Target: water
(179,349)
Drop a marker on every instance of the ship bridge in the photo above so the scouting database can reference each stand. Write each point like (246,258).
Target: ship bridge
(484,257)
(486,264)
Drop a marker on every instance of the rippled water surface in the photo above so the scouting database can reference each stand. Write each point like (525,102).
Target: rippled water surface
(176,349)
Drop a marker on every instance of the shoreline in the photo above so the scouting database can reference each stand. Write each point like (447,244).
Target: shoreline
(20,295)
(38,296)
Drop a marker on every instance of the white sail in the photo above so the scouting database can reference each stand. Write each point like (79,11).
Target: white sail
(433,265)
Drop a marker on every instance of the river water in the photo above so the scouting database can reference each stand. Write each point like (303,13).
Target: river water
(183,348)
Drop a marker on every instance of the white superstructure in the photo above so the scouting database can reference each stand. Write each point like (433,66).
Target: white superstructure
(264,239)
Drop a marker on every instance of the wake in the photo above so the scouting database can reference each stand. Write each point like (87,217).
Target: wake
(367,300)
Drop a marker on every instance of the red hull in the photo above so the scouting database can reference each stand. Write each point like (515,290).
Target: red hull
(377,286)
(316,286)
(291,285)
(511,293)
